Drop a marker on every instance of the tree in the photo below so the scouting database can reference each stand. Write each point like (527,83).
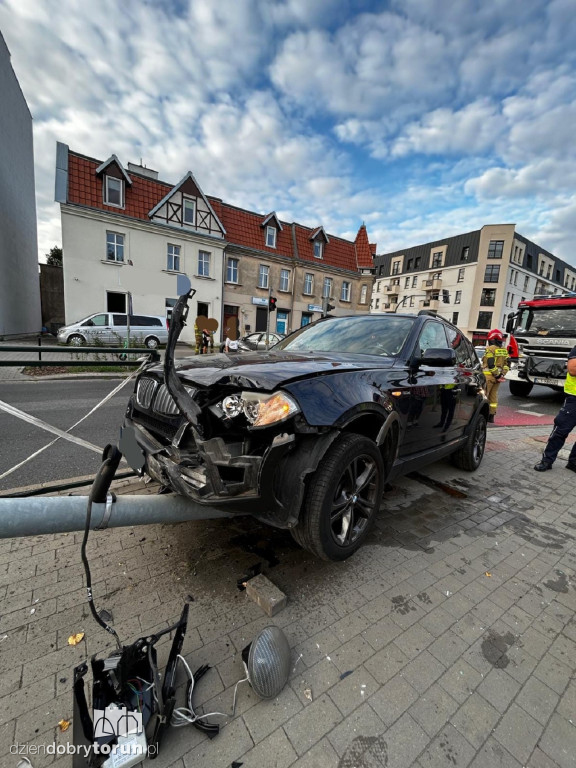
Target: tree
(54,257)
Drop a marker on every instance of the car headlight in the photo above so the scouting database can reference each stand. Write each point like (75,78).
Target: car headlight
(260,409)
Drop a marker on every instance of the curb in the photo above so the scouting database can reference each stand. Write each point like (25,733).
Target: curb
(56,486)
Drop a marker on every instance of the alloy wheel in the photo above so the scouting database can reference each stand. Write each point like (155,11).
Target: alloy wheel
(354,501)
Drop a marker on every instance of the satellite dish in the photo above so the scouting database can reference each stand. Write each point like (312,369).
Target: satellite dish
(267,662)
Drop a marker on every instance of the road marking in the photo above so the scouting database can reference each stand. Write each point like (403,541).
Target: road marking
(531,413)
(529,405)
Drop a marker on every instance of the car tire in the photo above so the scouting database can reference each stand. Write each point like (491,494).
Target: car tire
(152,342)
(520,388)
(333,523)
(469,455)
(75,340)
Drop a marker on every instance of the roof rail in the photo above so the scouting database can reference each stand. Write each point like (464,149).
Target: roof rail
(568,295)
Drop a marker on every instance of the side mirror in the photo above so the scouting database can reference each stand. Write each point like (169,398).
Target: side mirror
(89,322)
(510,322)
(439,358)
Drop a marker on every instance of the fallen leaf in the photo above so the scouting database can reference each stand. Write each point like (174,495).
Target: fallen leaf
(488,574)
(64,725)
(308,694)
(75,639)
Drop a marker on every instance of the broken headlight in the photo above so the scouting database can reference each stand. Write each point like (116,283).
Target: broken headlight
(260,409)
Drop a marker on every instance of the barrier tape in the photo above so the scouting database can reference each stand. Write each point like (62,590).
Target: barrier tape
(61,433)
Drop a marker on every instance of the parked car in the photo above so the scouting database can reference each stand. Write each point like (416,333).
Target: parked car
(305,436)
(256,341)
(111,328)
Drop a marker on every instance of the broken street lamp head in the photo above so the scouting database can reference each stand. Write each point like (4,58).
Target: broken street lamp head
(267,662)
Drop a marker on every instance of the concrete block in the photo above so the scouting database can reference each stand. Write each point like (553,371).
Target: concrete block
(266,594)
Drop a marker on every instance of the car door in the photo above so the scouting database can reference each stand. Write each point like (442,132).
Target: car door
(469,375)
(434,394)
(97,329)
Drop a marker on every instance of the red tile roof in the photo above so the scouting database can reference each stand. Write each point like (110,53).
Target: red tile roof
(243,228)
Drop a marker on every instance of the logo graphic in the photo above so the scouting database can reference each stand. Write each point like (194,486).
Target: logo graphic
(114,721)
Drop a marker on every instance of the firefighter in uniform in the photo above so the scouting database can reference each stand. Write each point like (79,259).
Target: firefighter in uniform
(495,365)
(564,422)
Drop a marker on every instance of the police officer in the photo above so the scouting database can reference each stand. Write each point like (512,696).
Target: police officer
(495,365)
(564,422)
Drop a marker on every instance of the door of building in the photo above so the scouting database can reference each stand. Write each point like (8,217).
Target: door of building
(231,325)
(282,322)
(261,318)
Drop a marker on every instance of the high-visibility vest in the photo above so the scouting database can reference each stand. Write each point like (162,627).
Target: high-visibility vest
(570,385)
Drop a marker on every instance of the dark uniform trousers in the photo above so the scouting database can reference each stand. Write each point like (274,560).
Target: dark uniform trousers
(564,423)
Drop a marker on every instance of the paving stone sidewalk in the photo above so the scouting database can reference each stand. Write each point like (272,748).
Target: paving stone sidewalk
(448,640)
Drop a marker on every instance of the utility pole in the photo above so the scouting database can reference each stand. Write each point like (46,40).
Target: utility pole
(268,318)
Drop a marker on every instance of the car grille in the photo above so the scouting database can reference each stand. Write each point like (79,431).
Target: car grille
(164,402)
(145,392)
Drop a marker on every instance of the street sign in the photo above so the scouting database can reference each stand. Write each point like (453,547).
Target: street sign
(314,308)
(259,302)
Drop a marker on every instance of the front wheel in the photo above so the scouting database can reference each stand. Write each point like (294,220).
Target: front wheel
(76,340)
(469,455)
(151,342)
(342,499)
(520,388)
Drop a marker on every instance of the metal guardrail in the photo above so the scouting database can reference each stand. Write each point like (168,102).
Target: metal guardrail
(152,354)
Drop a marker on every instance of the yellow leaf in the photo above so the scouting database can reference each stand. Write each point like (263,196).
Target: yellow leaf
(64,725)
(75,639)
(488,574)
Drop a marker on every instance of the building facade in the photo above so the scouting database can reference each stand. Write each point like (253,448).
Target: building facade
(474,280)
(126,236)
(19,286)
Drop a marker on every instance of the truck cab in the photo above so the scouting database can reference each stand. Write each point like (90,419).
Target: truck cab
(545,330)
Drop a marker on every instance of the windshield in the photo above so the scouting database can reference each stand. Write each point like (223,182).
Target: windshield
(362,335)
(548,321)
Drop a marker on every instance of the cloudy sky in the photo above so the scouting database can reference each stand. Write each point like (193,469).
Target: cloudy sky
(422,118)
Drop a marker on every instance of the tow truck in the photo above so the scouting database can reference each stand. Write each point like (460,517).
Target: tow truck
(545,330)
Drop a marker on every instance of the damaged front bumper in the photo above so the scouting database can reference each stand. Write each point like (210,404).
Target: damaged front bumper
(270,486)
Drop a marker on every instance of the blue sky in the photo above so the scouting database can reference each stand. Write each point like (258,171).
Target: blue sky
(421,118)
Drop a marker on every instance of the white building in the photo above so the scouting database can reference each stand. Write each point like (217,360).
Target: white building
(124,233)
(474,280)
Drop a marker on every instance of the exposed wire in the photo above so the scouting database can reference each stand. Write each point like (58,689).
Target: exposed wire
(185,715)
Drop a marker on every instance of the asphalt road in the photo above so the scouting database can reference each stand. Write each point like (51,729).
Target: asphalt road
(62,403)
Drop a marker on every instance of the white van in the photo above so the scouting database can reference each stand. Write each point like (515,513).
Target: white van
(109,329)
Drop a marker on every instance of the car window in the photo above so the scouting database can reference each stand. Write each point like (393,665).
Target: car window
(363,335)
(432,337)
(119,320)
(462,347)
(100,320)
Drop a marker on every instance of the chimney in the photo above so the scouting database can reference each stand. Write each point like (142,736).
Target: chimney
(142,170)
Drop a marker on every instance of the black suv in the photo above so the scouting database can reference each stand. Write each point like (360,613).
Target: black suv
(305,436)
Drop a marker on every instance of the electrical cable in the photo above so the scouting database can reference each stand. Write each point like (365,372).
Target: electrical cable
(185,715)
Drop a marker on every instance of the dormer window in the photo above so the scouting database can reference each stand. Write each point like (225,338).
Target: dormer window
(318,249)
(271,237)
(113,191)
(189,212)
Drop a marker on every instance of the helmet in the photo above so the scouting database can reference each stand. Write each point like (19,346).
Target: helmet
(495,335)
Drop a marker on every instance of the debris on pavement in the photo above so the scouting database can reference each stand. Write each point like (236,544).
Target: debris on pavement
(75,639)
(266,594)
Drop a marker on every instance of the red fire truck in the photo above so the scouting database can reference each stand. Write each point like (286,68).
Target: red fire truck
(545,330)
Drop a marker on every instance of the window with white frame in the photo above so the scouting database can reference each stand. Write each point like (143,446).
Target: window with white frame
(458,297)
(271,237)
(363,292)
(396,267)
(263,273)
(407,283)
(461,272)
(203,264)
(327,288)
(232,270)
(189,212)
(345,292)
(414,281)
(114,246)
(284,279)
(318,249)
(437,259)
(308,283)
(114,191)
(173,258)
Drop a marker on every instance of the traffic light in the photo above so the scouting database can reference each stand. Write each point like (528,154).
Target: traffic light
(272,304)
(326,306)
(446,296)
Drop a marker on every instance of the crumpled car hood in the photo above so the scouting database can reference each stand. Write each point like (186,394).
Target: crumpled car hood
(268,370)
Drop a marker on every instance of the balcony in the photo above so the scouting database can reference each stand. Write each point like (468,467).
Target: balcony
(429,304)
(432,285)
(392,288)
